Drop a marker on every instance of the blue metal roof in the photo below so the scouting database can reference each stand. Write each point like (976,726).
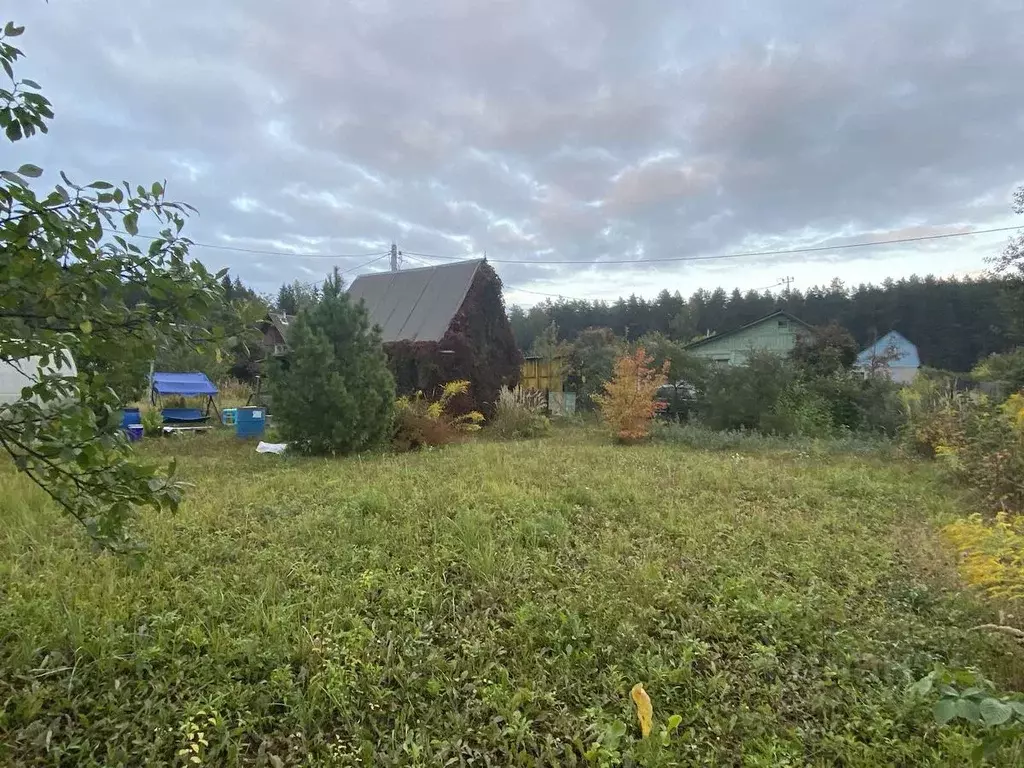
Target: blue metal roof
(183,384)
(906,352)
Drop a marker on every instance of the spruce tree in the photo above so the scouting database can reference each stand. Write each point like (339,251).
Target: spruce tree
(333,393)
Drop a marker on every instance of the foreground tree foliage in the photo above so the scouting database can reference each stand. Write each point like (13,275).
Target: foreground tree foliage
(74,288)
(334,393)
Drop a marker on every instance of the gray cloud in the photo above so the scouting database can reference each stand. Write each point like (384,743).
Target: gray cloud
(590,129)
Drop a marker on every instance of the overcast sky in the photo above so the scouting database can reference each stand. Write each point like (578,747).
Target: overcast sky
(549,130)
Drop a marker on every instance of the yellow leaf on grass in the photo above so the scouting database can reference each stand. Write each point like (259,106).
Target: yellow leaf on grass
(644,710)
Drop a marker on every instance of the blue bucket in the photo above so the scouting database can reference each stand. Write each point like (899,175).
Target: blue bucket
(130,416)
(135,432)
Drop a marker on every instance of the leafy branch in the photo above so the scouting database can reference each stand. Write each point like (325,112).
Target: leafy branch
(77,288)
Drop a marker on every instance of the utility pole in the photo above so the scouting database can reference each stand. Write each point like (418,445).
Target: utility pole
(394,257)
(788,281)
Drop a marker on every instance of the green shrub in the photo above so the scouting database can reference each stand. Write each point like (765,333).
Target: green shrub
(742,396)
(829,350)
(152,421)
(879,407)
(788,397)
(990,457)
(965,694)
(936,414)
(333,394)
(800,410)
(519,415)
(980,443)
(1004,369)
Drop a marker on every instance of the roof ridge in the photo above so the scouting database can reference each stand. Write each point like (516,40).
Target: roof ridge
(419,269)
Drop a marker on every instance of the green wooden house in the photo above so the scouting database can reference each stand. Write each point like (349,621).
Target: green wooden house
(776,333)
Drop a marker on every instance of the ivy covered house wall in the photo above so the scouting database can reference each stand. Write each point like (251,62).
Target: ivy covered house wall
(444,323)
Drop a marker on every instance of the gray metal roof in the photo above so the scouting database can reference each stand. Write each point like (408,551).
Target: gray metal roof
(415,304)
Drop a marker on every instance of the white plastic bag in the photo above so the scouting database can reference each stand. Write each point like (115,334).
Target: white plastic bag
(271,447)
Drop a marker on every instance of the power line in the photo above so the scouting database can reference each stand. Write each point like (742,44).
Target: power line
(268,253)
(371,261)
(424,262)
(746,254)
(541,293)
(635,262)
(514,287)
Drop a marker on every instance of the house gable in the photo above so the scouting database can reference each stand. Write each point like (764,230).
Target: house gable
(776,333)
(444,323)
(892,355)
(895,345)
(275,333)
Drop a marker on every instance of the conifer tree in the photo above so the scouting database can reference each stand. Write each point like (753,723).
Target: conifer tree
(333,393)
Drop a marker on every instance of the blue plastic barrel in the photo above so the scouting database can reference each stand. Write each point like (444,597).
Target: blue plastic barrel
(250,422)
(130,416)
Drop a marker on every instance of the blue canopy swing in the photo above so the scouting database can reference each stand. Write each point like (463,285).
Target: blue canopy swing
(187,385)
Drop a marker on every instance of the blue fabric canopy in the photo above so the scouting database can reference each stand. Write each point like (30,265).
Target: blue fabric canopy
(183,384)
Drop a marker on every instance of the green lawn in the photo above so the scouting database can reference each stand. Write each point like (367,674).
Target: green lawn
(491,604)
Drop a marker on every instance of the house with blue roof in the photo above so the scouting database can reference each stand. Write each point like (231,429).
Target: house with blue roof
(894,355)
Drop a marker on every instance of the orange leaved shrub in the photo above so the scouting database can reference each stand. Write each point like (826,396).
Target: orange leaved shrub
(628,404)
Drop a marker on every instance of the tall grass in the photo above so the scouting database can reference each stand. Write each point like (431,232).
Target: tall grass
(852,443)
(520,414)
(491,603)
(234,393)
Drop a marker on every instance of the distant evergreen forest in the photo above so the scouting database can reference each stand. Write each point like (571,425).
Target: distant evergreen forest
(954,323)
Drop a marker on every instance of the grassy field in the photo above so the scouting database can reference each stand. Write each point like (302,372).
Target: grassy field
(491,604)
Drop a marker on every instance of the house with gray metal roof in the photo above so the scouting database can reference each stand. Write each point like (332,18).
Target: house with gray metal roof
(275,329)
(443,323)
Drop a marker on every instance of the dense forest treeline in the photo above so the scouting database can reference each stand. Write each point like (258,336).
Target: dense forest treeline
(954,323)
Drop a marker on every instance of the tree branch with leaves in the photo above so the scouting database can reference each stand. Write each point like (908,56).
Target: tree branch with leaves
(77,287)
